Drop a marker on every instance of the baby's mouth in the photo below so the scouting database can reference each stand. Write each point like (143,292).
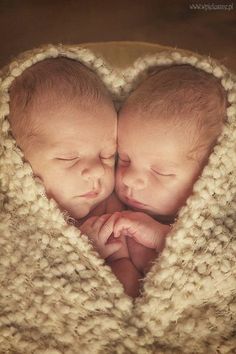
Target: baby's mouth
(134,202)
(92,194)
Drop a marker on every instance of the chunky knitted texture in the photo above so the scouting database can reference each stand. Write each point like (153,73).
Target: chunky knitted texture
(56,293)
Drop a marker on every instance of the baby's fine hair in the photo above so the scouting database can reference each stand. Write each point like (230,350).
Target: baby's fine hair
(56,80)
(183,96)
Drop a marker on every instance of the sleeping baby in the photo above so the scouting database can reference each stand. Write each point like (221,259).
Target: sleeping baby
(167,129)
(64,121)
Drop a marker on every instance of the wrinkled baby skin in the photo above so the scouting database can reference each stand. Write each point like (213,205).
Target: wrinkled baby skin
(74,154)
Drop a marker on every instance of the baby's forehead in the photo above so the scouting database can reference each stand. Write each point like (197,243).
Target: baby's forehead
(51,82)
(176,89)
(180,96)
(74,117)
(170,140)
(148,134)
(52,109)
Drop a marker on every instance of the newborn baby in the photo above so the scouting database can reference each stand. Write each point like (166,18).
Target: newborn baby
(64,120)
(167,129)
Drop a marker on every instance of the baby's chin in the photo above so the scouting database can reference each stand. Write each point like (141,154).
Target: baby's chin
(156,214)
(80,211)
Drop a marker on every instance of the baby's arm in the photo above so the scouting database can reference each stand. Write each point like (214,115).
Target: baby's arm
(128,275)
(141,256)
(114,251)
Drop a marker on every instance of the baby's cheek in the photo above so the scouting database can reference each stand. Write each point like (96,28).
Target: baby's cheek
(56,192)
(58,183)
(170,203)
(159,199)
(118,188)
(107,183)
(118,178)
(109,189)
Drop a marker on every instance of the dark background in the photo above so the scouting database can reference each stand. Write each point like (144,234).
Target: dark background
(25,24)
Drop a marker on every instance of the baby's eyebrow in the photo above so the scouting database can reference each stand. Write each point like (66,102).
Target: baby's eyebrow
(173,164)
(111,145)
(60,148)
(119,147)
(65,153)
(165,164)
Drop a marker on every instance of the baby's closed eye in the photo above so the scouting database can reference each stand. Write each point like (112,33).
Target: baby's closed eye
(108,158)
(163,174)
(66,159)
(67,162)
(123,160)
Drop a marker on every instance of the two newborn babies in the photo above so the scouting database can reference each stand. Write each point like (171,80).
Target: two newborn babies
(64,120)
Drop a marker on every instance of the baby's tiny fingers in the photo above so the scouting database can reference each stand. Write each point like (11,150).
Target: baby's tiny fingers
(117,234)
(107,228)
(100,221)
(111,248)
(88,224)
(121,226)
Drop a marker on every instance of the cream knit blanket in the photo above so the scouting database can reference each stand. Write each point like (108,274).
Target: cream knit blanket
(56,294)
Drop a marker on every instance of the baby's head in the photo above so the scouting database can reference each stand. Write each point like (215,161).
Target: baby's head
(63,119)
(166,131)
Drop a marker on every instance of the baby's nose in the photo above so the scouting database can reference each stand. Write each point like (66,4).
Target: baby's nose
(133,181)
(94,171)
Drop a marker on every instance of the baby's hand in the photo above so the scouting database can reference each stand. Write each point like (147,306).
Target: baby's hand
(92,227)
(142,228)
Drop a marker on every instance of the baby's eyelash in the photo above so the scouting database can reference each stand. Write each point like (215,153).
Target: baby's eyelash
(162,174)
(122,160)
(125,160)
(63,159)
